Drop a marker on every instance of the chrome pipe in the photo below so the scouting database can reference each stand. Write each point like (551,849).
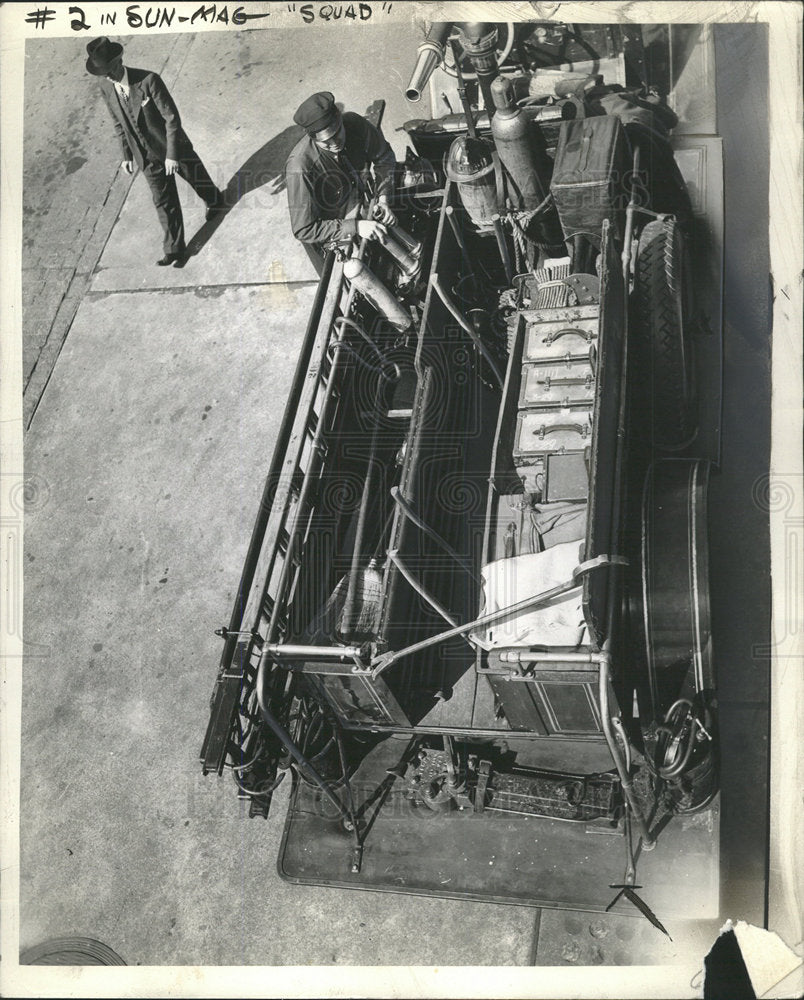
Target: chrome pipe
(384,660)
(407,262)
(402,236)
(430,54)
(291,651)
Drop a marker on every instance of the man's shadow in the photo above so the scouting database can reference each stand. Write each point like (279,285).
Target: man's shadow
(265,167)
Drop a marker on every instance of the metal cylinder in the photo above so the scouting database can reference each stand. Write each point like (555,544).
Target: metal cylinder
(431,52)
(521,148)
(447,123)
(407,262)
(410,243)
(505,256)
(482,120)
(370,286)
(470,166)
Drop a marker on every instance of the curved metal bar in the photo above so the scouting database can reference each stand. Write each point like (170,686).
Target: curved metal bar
(421,590)
(347,321)
(286,740)
(407,510)
(465,325)
(512,611)
(604,677)
(391,372)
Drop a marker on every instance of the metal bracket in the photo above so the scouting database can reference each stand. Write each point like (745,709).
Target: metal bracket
(483,775)
(225,633)
(357,859)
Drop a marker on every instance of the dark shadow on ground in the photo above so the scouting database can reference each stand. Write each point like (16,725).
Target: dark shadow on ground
(264,167)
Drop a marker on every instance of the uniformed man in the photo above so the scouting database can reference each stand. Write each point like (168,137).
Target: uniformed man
(329,178)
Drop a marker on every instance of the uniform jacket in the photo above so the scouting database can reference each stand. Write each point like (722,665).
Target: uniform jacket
(323,186)
(157,133)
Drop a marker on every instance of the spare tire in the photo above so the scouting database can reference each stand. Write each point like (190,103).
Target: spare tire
(71,951)
(662,290)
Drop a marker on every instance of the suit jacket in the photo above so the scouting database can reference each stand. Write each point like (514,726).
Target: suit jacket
(157,132)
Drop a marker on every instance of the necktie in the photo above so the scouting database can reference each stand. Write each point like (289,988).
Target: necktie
(123,95)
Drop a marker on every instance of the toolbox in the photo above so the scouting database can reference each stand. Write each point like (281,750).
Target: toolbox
(561,335)
(539,433)
(565,383)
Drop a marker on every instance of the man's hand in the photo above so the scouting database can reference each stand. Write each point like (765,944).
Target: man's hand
(127,166)
(171,166)
(382,213)
(372,230)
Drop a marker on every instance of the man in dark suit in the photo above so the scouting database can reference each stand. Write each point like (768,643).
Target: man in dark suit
(149,128)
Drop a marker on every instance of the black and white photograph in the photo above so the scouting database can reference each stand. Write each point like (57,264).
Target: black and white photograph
(402,499)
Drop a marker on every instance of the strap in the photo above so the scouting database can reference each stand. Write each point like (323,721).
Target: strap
(602,560)
(499,177)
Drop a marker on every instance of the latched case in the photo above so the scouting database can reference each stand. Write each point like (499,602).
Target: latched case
(589,176)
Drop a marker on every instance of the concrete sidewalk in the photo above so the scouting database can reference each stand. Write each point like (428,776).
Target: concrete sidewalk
(72,195)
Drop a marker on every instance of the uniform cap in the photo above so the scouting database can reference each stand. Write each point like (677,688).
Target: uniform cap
(318,114)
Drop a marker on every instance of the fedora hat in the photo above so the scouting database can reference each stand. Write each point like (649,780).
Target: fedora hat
(102,53)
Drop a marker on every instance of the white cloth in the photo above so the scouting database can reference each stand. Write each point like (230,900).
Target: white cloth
(509,581)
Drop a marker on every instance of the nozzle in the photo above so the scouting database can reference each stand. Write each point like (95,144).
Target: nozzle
(410,243)
(431,52)
(430,56)
(502,93)
(407,262)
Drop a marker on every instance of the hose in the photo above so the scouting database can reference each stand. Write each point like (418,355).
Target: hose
(258,792)
(346,321)
(519,245)
(466,326)
(672,729)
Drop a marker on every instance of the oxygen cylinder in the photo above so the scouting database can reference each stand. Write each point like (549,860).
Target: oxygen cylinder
(521,149)
(470,166)
(369,285)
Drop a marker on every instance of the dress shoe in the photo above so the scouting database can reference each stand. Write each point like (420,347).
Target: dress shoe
(169,258)
(218,205)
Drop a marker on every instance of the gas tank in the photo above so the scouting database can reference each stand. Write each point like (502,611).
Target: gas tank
(521,149)
(470,166)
